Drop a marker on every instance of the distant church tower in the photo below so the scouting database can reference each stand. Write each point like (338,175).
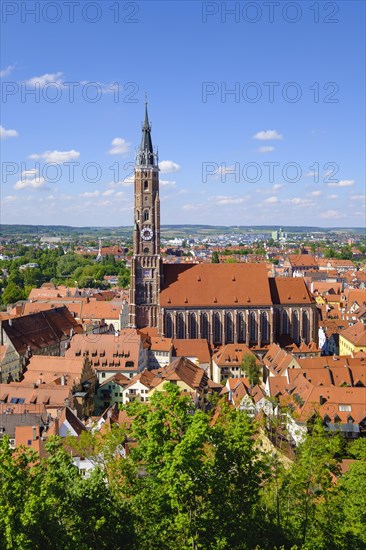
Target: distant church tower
(146,262)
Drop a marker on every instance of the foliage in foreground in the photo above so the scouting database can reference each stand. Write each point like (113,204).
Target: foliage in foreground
(191,482)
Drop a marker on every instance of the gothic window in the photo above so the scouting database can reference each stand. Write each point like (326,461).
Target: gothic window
(285,323)
(264,327)
(192,324)
(146,185)
(305,327)
(137,215)
(217,328)
(169,326)
(241,327)
(229,328)
(181,326)
(295,326)
(253,327)
(205,328)
(146,215)
(146,251)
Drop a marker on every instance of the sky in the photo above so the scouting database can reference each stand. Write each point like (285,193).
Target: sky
(257,110)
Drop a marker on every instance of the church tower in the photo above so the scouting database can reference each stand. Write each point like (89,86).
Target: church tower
(146,261)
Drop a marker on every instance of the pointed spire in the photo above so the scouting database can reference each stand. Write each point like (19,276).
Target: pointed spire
(145,154)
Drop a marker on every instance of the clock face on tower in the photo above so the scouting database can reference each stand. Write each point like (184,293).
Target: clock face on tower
(146,233)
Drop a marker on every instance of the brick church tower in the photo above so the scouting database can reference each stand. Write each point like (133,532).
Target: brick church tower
(146,266)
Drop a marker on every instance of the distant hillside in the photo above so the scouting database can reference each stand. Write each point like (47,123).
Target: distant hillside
(166,230)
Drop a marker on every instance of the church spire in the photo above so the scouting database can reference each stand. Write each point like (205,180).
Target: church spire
(146,155)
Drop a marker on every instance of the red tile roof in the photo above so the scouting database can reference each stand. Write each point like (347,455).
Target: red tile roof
(214,285)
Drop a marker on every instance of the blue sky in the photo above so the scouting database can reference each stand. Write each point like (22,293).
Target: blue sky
(292,130)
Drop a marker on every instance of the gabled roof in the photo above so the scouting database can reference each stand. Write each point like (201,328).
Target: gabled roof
(356,334)
(232,354)
(182,369)
(192,348)
(215,285)
(40,330)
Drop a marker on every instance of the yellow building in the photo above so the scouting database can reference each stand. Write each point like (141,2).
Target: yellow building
(352,339)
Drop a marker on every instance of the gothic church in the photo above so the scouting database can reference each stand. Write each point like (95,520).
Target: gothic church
(224,303)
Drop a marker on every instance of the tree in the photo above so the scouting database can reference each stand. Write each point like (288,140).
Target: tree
(215,257)
(306,490)
(12,294)
(251,369)
(46,504)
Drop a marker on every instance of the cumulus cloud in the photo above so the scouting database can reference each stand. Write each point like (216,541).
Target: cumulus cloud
(168,166)
(315,193)
(119,146)
(271,200)
(7,71)
(297,201)
(265,149)
(358,197)
(223,200)
(108,193)
(30,179)
(4,133)
(90,194)
(332,197)
(9,198)
(276,187)
(57,157)
(341,183)
(267,135)
(54,78)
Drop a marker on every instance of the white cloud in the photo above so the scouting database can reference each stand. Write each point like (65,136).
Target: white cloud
(276,187)
(358,197)
(264,135)
(6,72)
(30,179)
(191,207)
(57,157)
(120,195)
(54,78)
(332,197)
(271,200)
(108,193)
(297,201)
(311,174)
(28,173)
(331,214)
(130,180)
(315,193)
(4,133)
(9,198)
(223,200)
(265,149)
(168,166)
(167,183)
(90,194)
(119,147)
(342,183)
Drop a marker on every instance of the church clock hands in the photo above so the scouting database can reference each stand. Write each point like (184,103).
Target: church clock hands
(146,233)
